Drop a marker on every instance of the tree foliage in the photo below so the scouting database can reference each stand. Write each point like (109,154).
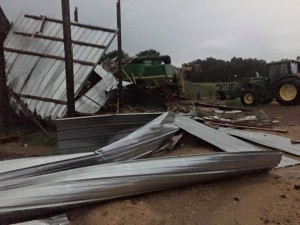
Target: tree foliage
(210,69)
(217,70)
(149,53)
(112,55)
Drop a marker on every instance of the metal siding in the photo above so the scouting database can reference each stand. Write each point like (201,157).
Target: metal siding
(85,134)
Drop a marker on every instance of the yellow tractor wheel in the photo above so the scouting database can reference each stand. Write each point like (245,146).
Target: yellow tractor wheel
(248,97)
(287,91)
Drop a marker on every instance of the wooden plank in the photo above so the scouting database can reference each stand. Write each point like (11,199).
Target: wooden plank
(247,127)
(72,23)
(27,112)
(47,56)
(35,35)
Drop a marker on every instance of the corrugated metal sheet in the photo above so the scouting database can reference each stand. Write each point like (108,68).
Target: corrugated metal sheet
(45,77)
(98,95)
(86,134)
(143,142)
(102,182)
(270,140)
(221,140)
(21,164)
(54,220)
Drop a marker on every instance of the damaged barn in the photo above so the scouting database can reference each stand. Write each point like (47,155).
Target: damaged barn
(35,69)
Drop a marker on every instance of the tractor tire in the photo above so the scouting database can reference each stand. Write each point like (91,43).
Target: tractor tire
(223,96)
(248,97)
(286,92)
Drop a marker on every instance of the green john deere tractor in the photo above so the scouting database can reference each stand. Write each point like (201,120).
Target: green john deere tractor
(250,89)
(282,83)
(153,74)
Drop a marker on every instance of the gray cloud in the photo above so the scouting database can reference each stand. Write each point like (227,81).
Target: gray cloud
(190,29)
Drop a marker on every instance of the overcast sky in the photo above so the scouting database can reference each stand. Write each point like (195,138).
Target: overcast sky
(189,29)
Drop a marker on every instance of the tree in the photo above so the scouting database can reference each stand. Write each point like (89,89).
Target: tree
(111,55)
(217,70)
(149,53)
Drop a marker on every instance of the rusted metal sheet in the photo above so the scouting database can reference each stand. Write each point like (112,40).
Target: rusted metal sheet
(33,75)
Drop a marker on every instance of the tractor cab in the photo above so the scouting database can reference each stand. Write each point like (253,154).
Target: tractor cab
(283,68)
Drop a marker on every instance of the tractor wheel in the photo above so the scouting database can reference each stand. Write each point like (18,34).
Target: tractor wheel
(287,91)
(248,97)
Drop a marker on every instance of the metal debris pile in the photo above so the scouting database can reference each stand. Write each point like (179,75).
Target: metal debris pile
(32,187)
(216,116)
(107,156)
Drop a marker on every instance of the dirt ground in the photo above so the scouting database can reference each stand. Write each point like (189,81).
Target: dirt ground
(271,197)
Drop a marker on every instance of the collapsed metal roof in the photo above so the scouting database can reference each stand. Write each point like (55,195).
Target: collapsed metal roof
(35,67)
(89,133)
(58,182)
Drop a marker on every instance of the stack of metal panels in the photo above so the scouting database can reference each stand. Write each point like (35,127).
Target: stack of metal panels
(54,184)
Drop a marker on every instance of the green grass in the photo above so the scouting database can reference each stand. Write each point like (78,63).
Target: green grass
(39,139)
(234,102)
(204,89)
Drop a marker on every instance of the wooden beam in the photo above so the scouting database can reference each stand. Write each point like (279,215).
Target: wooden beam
(27,112)
(247,127)
(43,55)
(72,23)
(59,39)
(42,99)
(120,53)
(65,6)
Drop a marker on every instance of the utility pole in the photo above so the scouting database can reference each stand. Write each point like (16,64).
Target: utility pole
(76,14)
(120,52)
(3,88)
(65,5)
(4,100)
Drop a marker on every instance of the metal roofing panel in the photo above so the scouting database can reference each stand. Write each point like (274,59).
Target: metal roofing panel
(150,138)
(98,95)
(83,134)
(113,180)
(216,138)
(45,77)
(270,140)
(20,164)
(54,220)
(221,140)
